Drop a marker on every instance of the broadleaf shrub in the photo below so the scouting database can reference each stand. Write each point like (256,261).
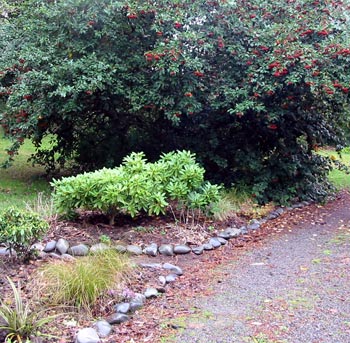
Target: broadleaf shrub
(138,186)
(19,230)
(252,87)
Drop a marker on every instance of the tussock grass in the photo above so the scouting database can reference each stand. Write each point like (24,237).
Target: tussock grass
(238,201)
(82,282)
(44,206)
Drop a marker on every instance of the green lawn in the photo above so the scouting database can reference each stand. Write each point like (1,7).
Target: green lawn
(339,178)
(20,183)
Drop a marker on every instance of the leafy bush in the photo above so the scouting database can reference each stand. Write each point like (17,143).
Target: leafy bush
(81,282)
(138,185)
(18,320)
(253,87)
(19,230)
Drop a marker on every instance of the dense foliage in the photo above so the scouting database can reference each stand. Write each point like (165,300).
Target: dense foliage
(253,87)
(138,186)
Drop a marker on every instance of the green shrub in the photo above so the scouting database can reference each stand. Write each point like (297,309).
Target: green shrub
(81,282)
(17,320)
(254,87)
(19,230)
(137,186)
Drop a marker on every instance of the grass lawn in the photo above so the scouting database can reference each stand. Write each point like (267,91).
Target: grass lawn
(339,178)
(21,183)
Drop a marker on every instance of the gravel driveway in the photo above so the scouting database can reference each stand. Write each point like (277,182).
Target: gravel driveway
(294,288)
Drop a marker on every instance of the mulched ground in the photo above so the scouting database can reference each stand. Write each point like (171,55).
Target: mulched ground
(154,320)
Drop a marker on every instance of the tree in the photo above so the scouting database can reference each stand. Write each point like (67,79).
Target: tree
(253,87)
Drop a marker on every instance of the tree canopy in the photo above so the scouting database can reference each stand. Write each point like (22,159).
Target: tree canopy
(253,87)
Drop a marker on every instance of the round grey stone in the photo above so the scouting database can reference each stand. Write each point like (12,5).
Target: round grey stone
(135,305)
(37,247)
(78,250)
(171,278)
(198,250)
(162,280)
(50,246)
(166,249)
(272,215)
(122,308)
(280,210)
(4,251)
(233,232)
(173,269)
(139,298)
(208,246)
(120,248)
(56,256)
(95,248)
(117,318)
(67,257)
(41,255)
(244,230)
(151,293)
(87,335)
(223,241)
(151,250)
(134,250)
(224,234)
(253,226)
(215,242)
(182,249)
(62,246)
(151,265)
(103,328)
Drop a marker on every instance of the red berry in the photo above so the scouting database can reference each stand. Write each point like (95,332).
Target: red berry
(132,16)
(198,73)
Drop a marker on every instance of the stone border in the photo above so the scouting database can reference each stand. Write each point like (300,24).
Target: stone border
(103,328)
(61,249)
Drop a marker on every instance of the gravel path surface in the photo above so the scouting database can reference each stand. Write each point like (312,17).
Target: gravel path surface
(294,288)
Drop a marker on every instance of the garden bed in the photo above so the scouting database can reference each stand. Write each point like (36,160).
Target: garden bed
(92,228)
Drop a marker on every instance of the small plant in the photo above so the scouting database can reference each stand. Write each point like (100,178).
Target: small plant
(19,230)
(18,320)
(231,201)
(80,283)
(105,239)
(223,209)
(144,229)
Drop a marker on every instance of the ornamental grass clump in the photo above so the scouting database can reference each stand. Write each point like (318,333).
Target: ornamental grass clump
(80,283)
(17,320)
